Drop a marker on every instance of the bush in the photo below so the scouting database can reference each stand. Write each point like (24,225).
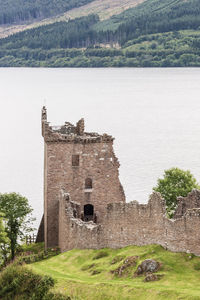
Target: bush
(19,283)
(17,280)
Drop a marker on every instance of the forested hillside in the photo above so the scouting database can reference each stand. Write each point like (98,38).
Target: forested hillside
(153,16)
(154,33)
(16,11)
(153,10)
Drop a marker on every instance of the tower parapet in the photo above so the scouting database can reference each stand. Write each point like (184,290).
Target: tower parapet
(80,127)
(70,133)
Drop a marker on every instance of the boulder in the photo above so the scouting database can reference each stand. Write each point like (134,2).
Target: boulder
(151,277)
(148,266)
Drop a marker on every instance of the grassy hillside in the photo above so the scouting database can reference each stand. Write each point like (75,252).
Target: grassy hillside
(87,274)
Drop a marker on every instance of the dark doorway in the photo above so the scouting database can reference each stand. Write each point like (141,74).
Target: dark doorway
(88,212)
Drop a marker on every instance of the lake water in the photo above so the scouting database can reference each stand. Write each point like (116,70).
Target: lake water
(154,114)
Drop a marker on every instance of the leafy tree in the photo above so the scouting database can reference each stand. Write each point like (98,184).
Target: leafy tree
(175,183)
(18,219)
(3,240)
(2,230)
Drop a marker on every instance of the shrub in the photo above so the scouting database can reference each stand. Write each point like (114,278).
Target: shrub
(17,280)
(19,283)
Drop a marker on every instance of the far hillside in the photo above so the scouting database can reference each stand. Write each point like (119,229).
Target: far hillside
(18,11)
(75,9)
(155,33)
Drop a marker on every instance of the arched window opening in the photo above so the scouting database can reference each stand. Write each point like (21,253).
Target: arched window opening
(88,183)
(74,213)
(88,212)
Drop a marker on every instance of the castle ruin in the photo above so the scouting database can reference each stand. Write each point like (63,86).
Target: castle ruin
(84,201)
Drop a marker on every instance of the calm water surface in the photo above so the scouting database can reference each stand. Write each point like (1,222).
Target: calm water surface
(154,115)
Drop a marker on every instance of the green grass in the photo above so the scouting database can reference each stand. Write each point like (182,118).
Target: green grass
(74,272)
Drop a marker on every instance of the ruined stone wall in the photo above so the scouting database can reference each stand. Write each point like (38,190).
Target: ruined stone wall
(183,203)
(133,224)
(136,224)
(73,232)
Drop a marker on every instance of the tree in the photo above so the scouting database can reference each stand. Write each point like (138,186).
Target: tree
(175,183)
(18,219)
(3,240)
(2,230)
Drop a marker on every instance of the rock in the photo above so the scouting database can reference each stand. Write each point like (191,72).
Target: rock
(151,277)
(148,265)
(128,262)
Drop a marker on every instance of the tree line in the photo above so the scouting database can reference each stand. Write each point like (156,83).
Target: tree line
(17,11)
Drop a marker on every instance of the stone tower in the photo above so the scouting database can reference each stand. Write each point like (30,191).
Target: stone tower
(82,164)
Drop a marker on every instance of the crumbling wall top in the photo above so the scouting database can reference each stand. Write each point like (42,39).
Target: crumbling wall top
(70,133)
(155,205)
(80,127)
(192,200)
(44,113)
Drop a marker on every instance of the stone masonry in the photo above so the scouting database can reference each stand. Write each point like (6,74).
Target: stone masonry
(84,165)
(84,202)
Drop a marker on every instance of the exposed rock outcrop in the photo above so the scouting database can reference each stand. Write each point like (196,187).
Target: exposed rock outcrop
(148,266)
